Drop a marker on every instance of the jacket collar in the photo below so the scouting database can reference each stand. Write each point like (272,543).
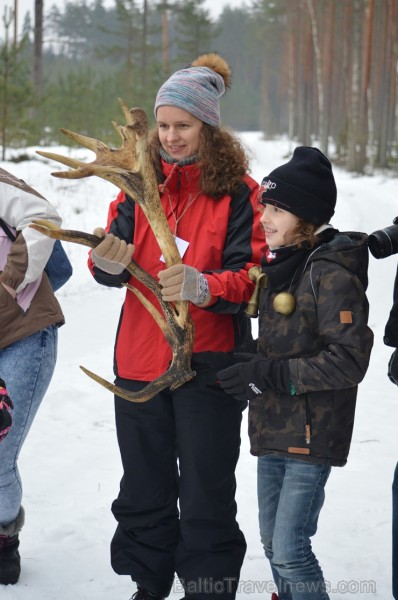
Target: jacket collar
(180,177)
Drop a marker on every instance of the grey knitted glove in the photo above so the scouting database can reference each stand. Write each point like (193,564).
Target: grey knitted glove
(181,282)
(112,255)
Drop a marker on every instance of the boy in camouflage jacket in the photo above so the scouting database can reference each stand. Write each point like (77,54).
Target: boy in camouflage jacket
(313,349)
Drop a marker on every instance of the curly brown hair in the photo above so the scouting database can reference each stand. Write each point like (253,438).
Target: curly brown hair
(222,159)
(304,234)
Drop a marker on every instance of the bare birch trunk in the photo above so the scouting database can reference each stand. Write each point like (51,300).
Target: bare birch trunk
(38,49)
(354,112)
(165,40)
(319,76)
(15,24)
(292,41)
(7,20)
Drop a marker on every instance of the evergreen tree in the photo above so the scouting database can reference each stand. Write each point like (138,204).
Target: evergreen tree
(194,30)
(241,105)
(323,73)
(15,89)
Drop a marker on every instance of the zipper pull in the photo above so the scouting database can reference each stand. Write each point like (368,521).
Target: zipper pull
(163,185)
(307,434)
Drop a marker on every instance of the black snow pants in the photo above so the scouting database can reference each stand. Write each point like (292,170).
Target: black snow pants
(176,508)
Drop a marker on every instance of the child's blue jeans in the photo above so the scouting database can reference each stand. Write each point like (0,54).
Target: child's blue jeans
(27,367)
(290,496)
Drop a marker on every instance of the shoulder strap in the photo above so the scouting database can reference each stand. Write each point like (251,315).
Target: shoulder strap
(7,231)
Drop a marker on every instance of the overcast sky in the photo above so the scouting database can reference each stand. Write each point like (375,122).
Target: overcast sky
(214,6)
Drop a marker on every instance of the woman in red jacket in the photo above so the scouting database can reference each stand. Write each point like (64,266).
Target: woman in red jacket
(176,509)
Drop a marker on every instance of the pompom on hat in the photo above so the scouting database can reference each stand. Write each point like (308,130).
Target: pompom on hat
(304,186)
(197,89)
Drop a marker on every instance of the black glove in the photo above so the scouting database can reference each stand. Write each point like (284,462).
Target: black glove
(5,407)
(393,367)
(248,347)
(246,380)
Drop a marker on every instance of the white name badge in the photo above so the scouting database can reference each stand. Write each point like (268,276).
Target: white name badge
(182,247)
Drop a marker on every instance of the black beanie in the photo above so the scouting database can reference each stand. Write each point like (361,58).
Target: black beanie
(304,186)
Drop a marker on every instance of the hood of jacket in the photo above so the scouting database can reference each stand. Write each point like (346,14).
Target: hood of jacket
(348,249)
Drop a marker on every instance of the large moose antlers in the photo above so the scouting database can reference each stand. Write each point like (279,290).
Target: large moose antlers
(130,169)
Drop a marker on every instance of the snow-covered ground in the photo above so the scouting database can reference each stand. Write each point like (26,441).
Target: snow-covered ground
(70,463)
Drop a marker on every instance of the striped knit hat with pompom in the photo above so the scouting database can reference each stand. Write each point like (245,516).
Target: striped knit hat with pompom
(197,89)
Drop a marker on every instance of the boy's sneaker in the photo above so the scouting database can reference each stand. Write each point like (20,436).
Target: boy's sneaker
(10,561)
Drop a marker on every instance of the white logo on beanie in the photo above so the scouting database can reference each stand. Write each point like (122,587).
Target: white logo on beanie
(269,185)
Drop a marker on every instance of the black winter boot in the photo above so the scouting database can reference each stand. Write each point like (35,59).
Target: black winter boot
(143,594)
(10,561)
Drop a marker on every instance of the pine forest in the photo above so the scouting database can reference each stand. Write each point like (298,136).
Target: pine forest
(319,72)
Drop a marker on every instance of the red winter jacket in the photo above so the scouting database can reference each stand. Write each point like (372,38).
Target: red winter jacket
(225,240)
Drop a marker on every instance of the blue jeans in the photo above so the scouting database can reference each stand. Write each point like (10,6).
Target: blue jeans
(290,496)
(395,535)
(27,367)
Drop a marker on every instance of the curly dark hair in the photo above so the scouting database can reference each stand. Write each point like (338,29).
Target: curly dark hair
(304,234)
(222,159)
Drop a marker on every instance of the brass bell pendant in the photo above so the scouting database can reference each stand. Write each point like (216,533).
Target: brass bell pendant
(256,274)
(284,303)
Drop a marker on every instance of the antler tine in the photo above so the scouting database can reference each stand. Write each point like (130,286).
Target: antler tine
(162,323)
(120,129)
(140,121)
(66,235)
(136,124)
(47,224)
(129,142)
(85,140)
(110,386)
(81,169)
(127,112)
(135,116)
(69,162)
(140,127)
(174,377)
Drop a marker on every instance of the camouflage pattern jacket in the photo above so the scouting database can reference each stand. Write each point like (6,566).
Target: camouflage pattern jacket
(328,344)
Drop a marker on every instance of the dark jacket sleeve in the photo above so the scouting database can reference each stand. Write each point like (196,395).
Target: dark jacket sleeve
(391,330)
(243,248)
